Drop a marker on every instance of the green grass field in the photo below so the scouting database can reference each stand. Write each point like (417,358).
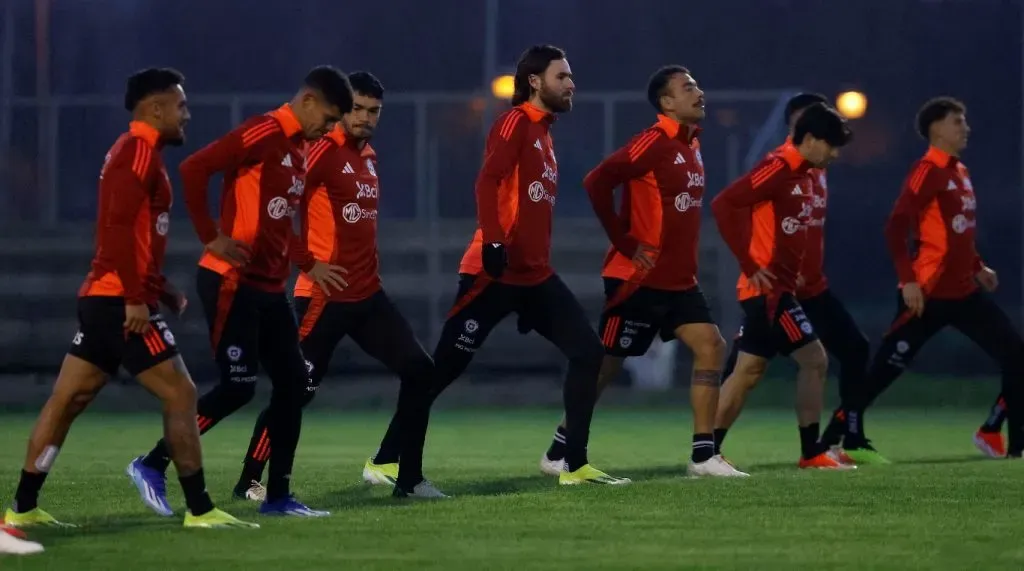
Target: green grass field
(942,506)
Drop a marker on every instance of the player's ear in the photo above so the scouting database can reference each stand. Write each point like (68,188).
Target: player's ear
(536,82)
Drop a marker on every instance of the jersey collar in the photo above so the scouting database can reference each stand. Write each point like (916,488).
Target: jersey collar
(338,135)
(145,131)
(673,128)
(792,156)
(285,115)
(939,157)
(536,114)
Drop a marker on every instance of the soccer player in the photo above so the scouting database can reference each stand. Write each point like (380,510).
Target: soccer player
(13,542)
(832,323)
(763,217)
(939,285)
(242,275)
(507,269)
(119,323)
(650,272)
(339,227)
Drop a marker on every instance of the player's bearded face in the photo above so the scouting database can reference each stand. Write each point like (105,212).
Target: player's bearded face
(362,121)
(557,88)
(173,114)
(686,98)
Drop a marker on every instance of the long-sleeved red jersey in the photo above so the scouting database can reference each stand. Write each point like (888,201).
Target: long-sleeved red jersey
(264,176)
(936,209)
(763,217)
(663,174)
(339,216)
(515,195)
(133,220)
(812,268)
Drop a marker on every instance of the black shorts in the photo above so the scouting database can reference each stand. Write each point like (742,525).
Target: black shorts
(250,327)
(631,319)
(102,340)
(773,326)
(374,323)
(548,308)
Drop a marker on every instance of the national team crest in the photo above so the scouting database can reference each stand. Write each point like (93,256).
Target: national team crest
(821,180)
(700,161)
(369,167)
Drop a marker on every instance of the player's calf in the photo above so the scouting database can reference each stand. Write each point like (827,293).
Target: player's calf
(747,373)
(812,362)
(553,461)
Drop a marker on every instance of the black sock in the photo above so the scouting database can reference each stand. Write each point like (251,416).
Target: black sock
(557,449)
(579,394)
(719,438)
(703,447)
(854,426)
(26,498)
(285,425)
(836,428)
(996,416)
(159,458)
(809,445)
(196,498)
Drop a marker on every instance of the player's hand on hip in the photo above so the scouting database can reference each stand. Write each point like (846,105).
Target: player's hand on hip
(762,280)
(136,318)
(913,297)
(495,258)
(645,256)
(800,281)
(988,278)
(328,276)
(230,250)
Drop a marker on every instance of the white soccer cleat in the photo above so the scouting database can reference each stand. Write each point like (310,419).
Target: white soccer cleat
(425,490)
(550,467)
(716,466)
(11,543)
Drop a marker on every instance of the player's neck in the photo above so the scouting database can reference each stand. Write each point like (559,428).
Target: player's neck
(147,121)
(946,148)
(536,102)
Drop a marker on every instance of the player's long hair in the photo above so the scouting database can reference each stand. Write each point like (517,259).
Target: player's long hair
(534,61)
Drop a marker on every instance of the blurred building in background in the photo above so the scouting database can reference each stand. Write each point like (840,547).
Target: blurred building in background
(64,64)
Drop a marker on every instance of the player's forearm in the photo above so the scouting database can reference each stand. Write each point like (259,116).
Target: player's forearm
(487,209)
(733,221)
(299,253)
(897,230)
(194,180)
(122,246)
(600,190)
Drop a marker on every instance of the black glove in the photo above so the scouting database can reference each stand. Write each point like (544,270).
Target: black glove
(495,259)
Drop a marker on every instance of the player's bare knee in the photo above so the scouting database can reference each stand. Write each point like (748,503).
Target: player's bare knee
(812,358)
(748,371)
(710,350)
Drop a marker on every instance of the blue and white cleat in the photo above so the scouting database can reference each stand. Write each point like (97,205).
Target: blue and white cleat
(290,506)
(152,486)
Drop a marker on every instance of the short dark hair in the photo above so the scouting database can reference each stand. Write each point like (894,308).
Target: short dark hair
(534,61)
(365,83)
(659,82)
(937,109)
(333,84)
(822,122)
(146,82)
(802,101)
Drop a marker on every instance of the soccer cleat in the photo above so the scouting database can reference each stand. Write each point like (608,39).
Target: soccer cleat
(823,461)
(425,490)
(841,456)
(152,486)
(551,467)
(864,453)
(254,493)
(380,474)
(588,474)
(13,542)
(216,519)
(34,517)
(291,507)
(716,466)
(991,444)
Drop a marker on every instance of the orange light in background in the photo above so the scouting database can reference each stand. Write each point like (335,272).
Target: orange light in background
(503,86)
(852,104)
